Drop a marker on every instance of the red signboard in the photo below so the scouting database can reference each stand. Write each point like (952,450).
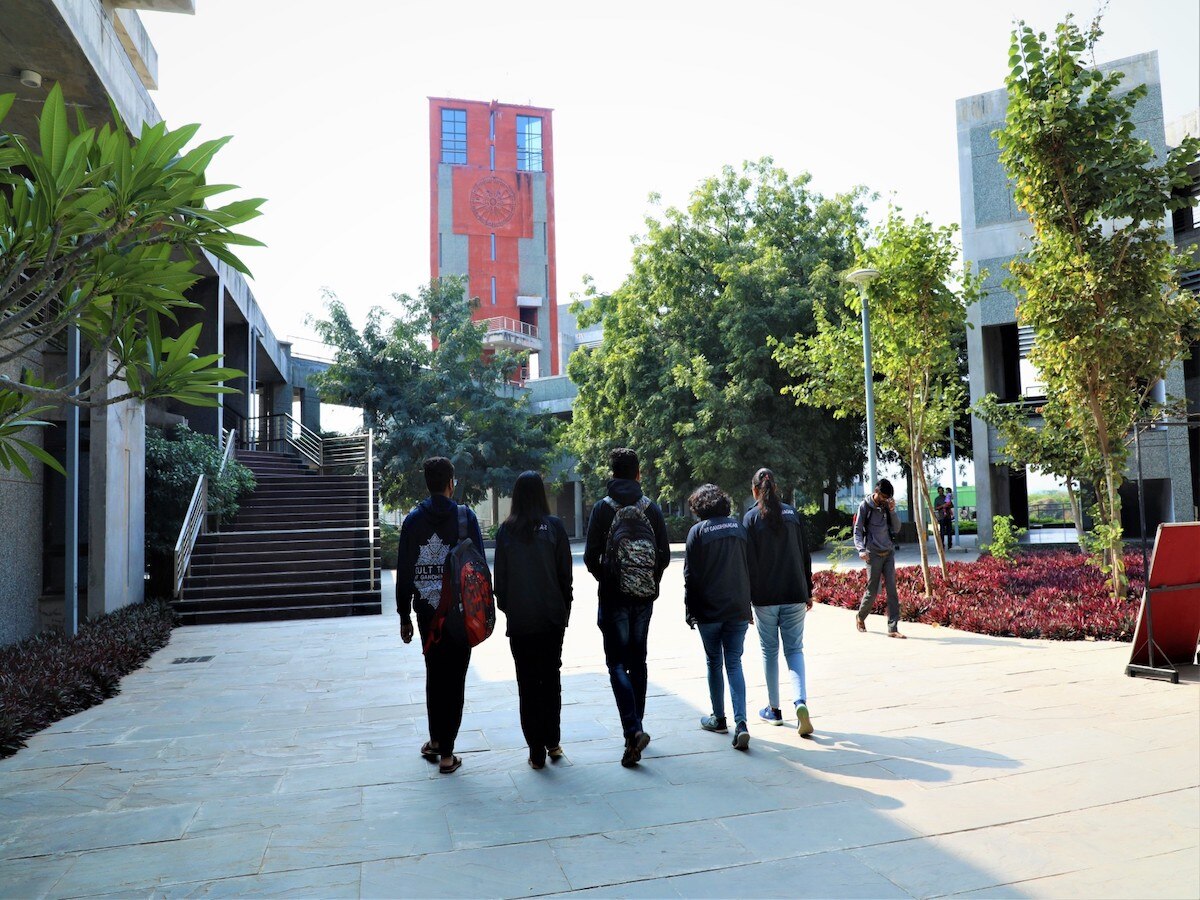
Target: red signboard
(1173,593)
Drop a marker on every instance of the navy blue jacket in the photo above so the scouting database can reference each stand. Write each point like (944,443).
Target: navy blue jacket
(717,571)
(427,536)
(781,563)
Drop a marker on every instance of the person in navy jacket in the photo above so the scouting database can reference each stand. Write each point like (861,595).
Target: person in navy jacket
(716,596)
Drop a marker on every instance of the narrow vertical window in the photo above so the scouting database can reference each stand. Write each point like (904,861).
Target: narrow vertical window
(493,290)
(492,126)
(529,143)
(493,247)
(454,136)
(492,156)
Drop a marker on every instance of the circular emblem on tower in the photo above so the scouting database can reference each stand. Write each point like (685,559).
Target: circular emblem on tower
(493,202)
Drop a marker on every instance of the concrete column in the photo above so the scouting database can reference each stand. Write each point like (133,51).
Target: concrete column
(116,505)
(579,523)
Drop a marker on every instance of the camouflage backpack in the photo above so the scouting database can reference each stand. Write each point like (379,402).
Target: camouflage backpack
(629,554)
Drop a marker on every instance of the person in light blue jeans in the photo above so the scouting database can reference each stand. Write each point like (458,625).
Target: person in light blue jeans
(781,591)
(716,597)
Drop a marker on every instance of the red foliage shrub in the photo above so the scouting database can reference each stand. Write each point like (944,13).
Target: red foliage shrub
(1058,595)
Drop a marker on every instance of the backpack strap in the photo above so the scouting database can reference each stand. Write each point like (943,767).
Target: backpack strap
(611,502)
(643,503)
(462,523)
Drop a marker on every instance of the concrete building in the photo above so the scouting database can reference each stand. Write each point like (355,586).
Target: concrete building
(97,52)
(993,233)
(491,219)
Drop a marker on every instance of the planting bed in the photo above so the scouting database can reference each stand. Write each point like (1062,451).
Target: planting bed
(50,676)
(1058,595)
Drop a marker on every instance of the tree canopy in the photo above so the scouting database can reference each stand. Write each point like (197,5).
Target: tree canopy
(1098,279)
(101,230)
(447,397)
(918,303)
(684,373)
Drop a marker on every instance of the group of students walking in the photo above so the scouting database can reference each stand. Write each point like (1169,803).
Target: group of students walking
(736,572)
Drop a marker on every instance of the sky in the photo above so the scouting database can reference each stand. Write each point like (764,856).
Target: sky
(327,105)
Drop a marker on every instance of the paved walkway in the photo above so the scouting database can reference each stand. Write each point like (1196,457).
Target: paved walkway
(949,763)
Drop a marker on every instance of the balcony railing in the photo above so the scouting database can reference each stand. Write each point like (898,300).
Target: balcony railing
(504,326)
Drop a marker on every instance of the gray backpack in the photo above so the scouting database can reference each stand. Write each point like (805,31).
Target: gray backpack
(629,554)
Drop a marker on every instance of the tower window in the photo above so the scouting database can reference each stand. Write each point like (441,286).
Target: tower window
(454,136)
(493,290)
(529,143)
(493,247)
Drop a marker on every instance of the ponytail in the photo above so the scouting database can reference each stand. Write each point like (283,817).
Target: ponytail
(769,503)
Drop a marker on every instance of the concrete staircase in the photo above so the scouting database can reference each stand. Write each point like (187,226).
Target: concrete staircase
(299,548)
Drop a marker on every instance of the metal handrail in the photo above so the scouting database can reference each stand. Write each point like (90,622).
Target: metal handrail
(229,440)
(516,326)
(193,527)
(372,543)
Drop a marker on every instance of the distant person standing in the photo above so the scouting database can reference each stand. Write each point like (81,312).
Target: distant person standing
(875,540)
(716,597)
(781,591)
(627,552)
(427,536)
(533,589)
(946,519)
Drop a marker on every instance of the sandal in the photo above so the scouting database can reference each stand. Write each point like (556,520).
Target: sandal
(555,753)
(455,765)
(429,752)
(536,765)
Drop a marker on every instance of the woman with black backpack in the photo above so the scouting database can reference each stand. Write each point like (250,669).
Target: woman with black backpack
(533,589)
(781,592)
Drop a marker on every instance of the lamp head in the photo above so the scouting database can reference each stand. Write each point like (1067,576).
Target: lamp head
(862,277)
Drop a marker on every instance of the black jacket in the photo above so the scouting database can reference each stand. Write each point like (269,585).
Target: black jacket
(716,571)
(428,534)
(532,578)
(625,491)
(780,560)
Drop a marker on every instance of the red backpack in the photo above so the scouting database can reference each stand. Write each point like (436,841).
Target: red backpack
(467,608)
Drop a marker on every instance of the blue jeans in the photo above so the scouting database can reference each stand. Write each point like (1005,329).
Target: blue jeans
(723,642)
(625,627)
(787,621)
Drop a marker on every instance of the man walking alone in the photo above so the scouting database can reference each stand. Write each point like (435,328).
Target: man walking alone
(627,552)
(875,540)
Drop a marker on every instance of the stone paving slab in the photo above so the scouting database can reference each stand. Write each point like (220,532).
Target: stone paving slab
(948,764)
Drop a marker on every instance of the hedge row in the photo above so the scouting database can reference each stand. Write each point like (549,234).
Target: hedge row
(50,676)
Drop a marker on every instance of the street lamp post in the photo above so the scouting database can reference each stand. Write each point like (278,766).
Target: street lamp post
(860,278)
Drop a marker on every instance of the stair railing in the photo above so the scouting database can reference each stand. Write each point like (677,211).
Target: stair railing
(195,520)
(372,543)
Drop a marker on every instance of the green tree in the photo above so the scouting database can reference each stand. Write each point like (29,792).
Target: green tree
(1098,281)
(1048,445)
(918,304)
(447,397)
(101,231)
(684,373)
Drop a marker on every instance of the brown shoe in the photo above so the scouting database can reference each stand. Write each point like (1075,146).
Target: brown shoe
(897,634)
(860,624)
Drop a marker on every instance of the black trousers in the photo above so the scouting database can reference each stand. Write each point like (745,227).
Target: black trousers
(538,659)
(445,686)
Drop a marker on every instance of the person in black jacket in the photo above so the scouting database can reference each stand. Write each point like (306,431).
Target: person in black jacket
(625,620)
(716,596)
(427,536)
(533,589)
(781,591)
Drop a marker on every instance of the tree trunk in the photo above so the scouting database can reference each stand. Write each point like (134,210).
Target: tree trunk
(1116,559)
(937,529)
(1076,512)
(915,510)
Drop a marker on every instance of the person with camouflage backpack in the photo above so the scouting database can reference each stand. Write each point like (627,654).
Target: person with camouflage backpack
(627,552)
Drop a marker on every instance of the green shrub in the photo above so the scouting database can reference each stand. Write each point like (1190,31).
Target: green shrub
(389,546)
(678,528)
(1004,538)
(174,461)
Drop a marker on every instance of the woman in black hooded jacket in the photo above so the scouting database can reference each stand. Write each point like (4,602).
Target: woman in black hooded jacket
(533,589)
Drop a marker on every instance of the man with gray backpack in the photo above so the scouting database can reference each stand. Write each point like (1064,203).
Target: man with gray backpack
(627,552)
